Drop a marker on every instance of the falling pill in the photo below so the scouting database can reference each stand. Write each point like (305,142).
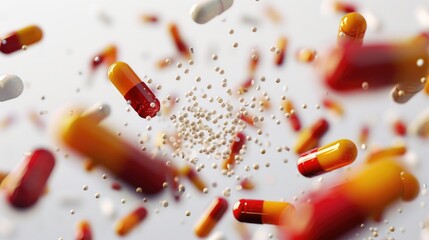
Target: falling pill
(11,87)
(205,11)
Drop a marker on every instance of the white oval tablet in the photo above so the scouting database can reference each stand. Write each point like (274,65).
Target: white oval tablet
(11,87)
(205,11)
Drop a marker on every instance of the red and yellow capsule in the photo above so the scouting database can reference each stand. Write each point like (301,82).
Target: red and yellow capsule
(107,57)
(211,217)
(247,184)
(192,175)
(83,231)
(129,222)
(245,86)
(352,29)
(309,138)
(247,119)
(343,7)
(363,135)
(389,152)
(180,44)
(306,55)
(20,38)
(327,158)
(291,115)
(281,48)
(254,62)
(27,182)
(260,211)
(134,90)
(237,144)
(149,18)
(335,106)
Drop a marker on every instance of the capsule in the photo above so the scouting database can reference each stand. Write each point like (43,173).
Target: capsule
(36,120)
(125,225)
(245,86)
(399,128)
(83,231)
(3,175)
(205,11)
(327,158)
(11,87)
(343,7)
(280,55)
(247,184)
(180,44)
(426,89)
(149,18)
(26,183)
(374,66)
(192,175)
(136,92)
(20,39)
(363,135)
(86,136)
(309,138)
(211,217)
(108,56)
(237,144)
(389,152)
(352,29)
(291,115)
(260,211)
(306,55)
(247,119)
(98,112)
(366,193)
(334,106)
(254,62)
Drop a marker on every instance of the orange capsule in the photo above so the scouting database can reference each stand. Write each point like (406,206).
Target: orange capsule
(21,38)
(139,95)
(352,29)
(165,62)
(280,55)
(254,62)
(180,44)
(149,18)
(247,119)
(426,89)
(309,138)
(327,158)
(389,152)
(291,115)
(334,106)
(237,144)
(192,175)
(211,217)
(306,55)
(129,222)
(344,7)
(107,57)
(89,165)
(83,231)
(260,211)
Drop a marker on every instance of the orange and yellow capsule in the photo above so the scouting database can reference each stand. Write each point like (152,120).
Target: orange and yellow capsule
(21,38)
(291,115)
(192,175)
(83,231)
(327,158)
(389,152)
(306,55)
(335,106)
(129,222)
(107,57)
(309,138)
(344,7)
(211,217)
(149,18)
(352,29)
(260,211)
(180,44)
(237,144)
(281,47)
(136,92)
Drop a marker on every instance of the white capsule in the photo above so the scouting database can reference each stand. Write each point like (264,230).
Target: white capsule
(98,111)
(11,87)
(206,10)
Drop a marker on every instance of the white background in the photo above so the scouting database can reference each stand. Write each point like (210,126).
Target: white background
(57,69)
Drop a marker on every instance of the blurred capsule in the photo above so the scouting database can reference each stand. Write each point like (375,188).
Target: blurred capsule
(352,29)
(180,44)
(107,57)
(139,95)
(273,14)
(149,18)
(26,183)
(3,175)
(247,119)
(11,87)
(237,144)
(130,221)
(327,158)
(254,62)
(98,112)
(335,106)
(426,89)
(83,231)
(245,86)
(363,135)
(309,138)
(389,152)
(260,211)
(281,46)
(343,7)
(20,39)
(292,115)
(211,217)
(204,11)
(373,66)
(306,55)
(36,119)
(86,136)
(247,184)
(399,127)
(193,176)
(420,125)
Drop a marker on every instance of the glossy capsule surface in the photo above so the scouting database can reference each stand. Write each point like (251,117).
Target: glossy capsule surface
(27,182)
(260,211)
(83,231)
(107,57)
(20,38)
(237,144)
(352,29)
(327,158)
(309,138)
(141,98)
(86,136)
(204,11)
(211,217)
(130,221)
(366,193)
(372,66)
